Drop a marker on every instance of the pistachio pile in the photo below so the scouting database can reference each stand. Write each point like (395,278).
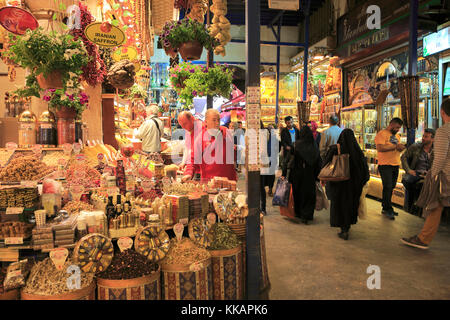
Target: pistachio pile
(224,237)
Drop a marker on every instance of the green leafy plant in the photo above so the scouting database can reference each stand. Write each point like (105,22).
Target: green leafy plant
(136,92)
(175,33)
(180,73)
(57,98)
(203,81)
(44,53)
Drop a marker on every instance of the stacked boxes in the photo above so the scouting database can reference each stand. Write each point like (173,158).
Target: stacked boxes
(43,237)
(65,231)
(180,207)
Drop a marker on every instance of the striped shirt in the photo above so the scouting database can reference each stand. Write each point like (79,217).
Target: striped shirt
(441,151)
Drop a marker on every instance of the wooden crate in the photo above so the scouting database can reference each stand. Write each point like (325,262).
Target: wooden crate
(8,255)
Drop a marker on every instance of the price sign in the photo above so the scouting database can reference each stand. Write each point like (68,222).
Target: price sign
(211,218)
(76,148)
(29,184)
(14,240)
(80,157)
(58,257)
(76,192)
(100,157)
(14,210)
(125,243)
(178,229)
(184,221)
(67,147)
(109,170)
(11,146)
(253,95)
(196,266)
(37,149)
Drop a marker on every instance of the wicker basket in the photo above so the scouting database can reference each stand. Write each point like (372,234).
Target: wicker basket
(162,11)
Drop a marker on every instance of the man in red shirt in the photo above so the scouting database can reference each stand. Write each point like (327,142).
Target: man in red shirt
(213,152)
(193,128)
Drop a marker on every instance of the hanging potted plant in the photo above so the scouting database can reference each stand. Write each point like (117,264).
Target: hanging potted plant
(189,37)
(136,92)
(215,81)
(55,60)
(180,73)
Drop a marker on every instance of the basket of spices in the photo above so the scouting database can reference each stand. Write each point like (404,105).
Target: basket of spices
(130,276)
(46,282)
(186,272)
(227,263)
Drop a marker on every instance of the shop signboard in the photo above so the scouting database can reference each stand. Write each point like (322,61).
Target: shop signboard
(125,53)
(436,42)
(284,4)
(104,34)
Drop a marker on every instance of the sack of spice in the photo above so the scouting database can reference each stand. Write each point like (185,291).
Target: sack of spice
(17,273)
(129,264)
(184,252)
(224,237)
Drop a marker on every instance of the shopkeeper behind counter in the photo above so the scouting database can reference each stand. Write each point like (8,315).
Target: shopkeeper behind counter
(214,152)
(151,131)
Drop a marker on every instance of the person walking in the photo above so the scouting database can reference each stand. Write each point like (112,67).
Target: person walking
(389,149)
(435,192)
(151,131)
(288,135)
(269,178)
(302,171)
(345,195)
(317,136)
(417,161)
(329,136)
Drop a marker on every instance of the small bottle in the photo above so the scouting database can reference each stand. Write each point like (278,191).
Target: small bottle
(119,208)
(110,211)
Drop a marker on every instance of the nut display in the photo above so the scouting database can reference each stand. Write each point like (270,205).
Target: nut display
(128,265)
(5,155)
(82,174)
(94,253)
(184,252)
(25,168)
(73,207)
(46,280)
(15,229)
(152,242)
(18,197)
(51,158)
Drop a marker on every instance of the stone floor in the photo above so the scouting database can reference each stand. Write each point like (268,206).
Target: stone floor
(311,262)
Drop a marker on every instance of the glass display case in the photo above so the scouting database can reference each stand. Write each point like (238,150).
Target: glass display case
(362,120)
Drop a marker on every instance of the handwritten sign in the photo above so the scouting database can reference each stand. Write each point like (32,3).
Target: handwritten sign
(178,230)
(11,146)
(13,240)
(58,257)
(125,243)
(14,210)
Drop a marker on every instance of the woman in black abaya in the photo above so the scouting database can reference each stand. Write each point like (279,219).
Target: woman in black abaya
(304,167)
(344,195)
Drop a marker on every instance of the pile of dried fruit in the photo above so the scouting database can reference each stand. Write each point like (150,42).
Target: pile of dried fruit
(73,207)
(46,280)
(184,252)
(224,237)
(82,174)
(25,168)
(128,265)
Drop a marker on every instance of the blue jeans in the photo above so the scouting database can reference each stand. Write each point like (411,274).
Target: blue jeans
(389,175)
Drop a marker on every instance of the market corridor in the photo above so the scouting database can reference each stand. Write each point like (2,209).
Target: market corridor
(311,262)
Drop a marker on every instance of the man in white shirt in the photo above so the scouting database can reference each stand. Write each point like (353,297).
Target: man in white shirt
(151,131)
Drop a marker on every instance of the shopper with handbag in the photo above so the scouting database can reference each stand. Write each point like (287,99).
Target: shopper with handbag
(302,171)
(435,194)
(345,194)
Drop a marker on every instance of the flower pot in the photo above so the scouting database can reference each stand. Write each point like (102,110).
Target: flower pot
(171,52)
(52,81)
(191,50)
(66,125)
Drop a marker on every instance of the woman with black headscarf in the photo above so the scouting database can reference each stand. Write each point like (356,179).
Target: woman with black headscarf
(344,195)
(304,167)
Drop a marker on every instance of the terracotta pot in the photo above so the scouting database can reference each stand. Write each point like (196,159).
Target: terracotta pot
(171,52)
(65,113)
(191,50)
(52,81)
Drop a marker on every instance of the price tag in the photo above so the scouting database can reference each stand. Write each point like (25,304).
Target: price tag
(178,229)
(184,221)
(80,157)
(100,157)
(29,184)
(59,257)
(76,147)
(67,147)
(11,146)
(196,266)
(125,243)
(211,218)
(14,240)
(109,170)
(62,162)
(76,192)
(37,149)
(14,210)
